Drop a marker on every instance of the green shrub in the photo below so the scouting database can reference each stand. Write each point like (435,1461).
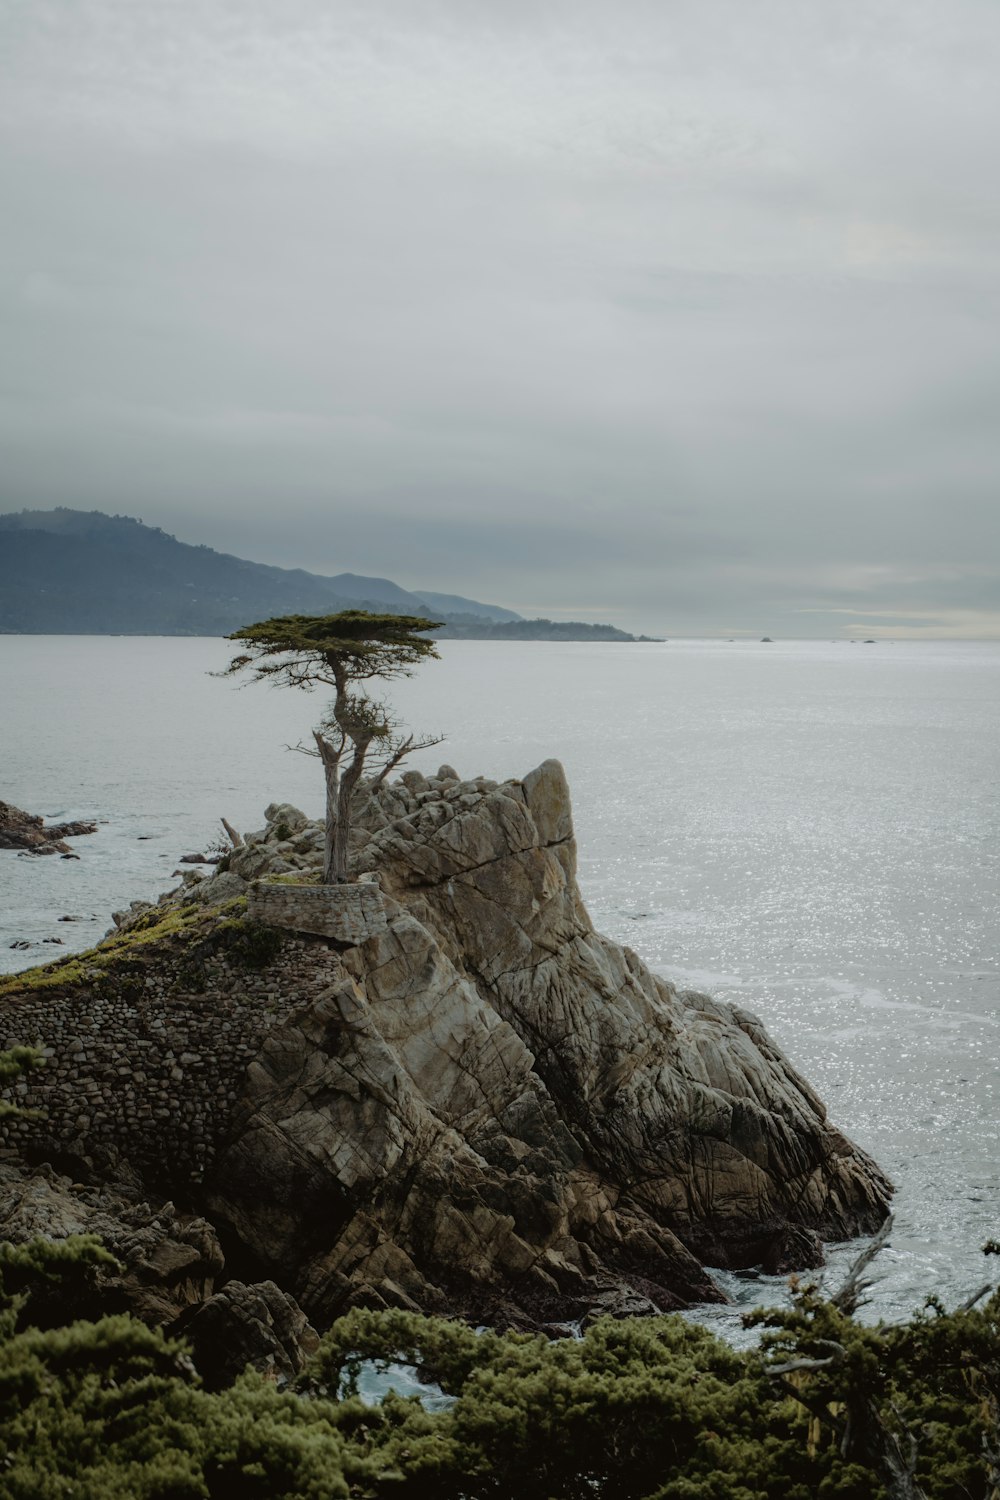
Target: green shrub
(652,1409)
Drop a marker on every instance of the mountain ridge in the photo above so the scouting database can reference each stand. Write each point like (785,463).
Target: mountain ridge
(66,571)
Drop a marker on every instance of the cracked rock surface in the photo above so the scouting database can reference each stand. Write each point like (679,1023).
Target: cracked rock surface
(485,1108)
(490,1109)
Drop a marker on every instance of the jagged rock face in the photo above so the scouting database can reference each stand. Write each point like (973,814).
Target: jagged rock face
(397,1149)
(241,1325)
(488,1108)
(170,1264)
(168,1260)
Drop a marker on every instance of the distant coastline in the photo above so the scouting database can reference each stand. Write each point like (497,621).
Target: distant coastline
(70,572)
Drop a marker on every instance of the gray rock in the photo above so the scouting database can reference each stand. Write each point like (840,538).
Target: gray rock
(21,830)
(283,814)
(251,861)
(168,1260)
(224,886)
(493,1105)
(259,1325)
(481,1107)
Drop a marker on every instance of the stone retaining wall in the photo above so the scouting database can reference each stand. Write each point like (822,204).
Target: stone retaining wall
(150,1064)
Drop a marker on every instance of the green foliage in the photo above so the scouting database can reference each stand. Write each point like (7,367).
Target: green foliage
(252,945)
(653,1409)
(660,1408)
(339,651)
(634,1408)
(119,961)
(122,952)
(295,649)
(46,1283)
(13,1063)
(113,1411)
(923,1395)
(18,1060)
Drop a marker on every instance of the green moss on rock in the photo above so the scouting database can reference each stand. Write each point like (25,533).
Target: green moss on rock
(125,951)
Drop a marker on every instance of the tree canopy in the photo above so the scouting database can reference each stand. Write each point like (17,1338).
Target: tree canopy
(339,651)
(309,651)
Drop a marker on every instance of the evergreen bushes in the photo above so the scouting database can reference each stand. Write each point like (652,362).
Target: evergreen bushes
(108,1409)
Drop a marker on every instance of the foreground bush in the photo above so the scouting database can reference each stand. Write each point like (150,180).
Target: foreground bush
(110,1410)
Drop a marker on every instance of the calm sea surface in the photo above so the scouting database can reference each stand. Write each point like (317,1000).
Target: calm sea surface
(811,829)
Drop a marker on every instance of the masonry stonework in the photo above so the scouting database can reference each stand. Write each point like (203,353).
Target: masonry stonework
(347,913)
(149,1065)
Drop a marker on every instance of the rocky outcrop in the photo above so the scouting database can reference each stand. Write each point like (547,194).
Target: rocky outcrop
(26,831)
(482,1107)
(491,1107)
(168,1260)
(168,1273)
(259,1325)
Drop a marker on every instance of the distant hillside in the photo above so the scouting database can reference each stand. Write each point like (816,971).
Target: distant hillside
(532,630)
(70,572)
(453,604)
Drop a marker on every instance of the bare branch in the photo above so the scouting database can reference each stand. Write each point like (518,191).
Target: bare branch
(849,1295)
(818,1407)
(970,1302)
(301,749)
(802,1364)
(403,748)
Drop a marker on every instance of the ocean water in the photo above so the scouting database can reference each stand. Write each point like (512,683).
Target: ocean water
(809,828)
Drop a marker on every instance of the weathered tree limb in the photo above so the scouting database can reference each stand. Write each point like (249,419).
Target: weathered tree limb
(790,1367)
(970,1302)
(848,1298)
(234,838)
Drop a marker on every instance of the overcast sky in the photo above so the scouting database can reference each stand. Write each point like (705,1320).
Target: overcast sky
(679,314)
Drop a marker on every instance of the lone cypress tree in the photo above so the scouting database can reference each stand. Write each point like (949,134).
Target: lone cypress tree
(340,651)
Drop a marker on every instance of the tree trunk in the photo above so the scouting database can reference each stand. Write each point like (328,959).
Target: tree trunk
(867,1440)
(331,775)
(342,828)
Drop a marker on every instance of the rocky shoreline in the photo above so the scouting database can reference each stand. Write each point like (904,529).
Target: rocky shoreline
(467,1102)
(27,833)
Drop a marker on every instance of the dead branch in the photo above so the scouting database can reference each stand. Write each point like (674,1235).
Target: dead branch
(802,1364)
(234,838)
(818,1408)
(970,1302)
(849,1295)
(405,747)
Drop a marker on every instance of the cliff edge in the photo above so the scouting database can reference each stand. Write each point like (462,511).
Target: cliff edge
(468,1101)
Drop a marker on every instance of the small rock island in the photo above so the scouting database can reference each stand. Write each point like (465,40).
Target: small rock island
(28,833)
(436,1088)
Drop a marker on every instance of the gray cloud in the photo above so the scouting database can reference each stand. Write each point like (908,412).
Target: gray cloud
(682,315)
